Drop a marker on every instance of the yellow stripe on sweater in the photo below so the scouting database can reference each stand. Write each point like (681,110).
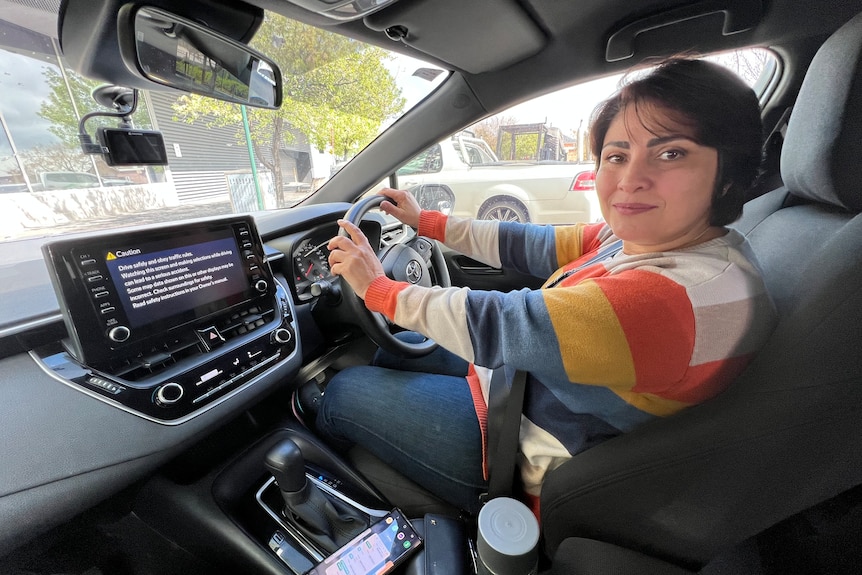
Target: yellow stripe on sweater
(650,403)
(592,343)
(569,241)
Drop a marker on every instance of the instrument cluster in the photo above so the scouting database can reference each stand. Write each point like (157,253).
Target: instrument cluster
(311,264)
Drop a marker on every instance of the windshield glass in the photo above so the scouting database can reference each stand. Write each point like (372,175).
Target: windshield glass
(223,157)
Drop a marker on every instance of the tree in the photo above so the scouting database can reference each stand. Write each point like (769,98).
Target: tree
(337,92)
(749,64)
(56,158)
(58,109)
(489,128)
(526,146)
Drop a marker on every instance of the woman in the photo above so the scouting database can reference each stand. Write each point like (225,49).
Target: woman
(657,309)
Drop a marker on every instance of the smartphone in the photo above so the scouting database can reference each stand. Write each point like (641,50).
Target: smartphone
(376,551)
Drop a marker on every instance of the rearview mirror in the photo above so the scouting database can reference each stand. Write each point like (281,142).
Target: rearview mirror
(182,54)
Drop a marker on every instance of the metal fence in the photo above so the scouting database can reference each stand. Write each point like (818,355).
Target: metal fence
(244,194)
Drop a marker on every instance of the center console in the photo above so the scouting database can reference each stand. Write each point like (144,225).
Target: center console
(284,541)
(167,321)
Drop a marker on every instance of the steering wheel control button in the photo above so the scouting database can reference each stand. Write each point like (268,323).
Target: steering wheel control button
(423,247)
(119,334)
(508,538)
(169,394)
(210,337)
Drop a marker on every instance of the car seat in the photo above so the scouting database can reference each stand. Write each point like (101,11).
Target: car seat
(786,436)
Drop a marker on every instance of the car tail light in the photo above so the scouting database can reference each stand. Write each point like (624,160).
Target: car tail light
(584,182)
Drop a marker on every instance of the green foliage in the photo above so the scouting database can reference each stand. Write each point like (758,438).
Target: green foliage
(337,93)
(59,110)
(489,128)
(525,146)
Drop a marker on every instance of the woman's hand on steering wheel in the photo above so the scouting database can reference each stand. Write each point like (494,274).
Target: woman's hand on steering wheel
(354,259)
(401,204)
(417,261)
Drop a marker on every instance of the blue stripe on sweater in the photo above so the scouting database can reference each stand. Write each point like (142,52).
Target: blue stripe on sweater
(528,248)
(575,399)
(575,430)
(515,329)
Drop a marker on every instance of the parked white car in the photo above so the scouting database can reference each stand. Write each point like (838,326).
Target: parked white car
(462,176)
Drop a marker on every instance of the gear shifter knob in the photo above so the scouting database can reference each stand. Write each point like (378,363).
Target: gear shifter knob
(284,460)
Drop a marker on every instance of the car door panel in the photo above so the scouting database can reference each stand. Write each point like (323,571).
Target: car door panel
(467,272)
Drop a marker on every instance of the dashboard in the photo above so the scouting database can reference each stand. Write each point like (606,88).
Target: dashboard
(93,400)
(165,321)
(311,263)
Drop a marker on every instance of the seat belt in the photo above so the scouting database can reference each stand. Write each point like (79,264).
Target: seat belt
(503,437)
(505,405)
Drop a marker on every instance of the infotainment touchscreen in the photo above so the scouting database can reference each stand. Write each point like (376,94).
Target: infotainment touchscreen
(117,291)
(155,280)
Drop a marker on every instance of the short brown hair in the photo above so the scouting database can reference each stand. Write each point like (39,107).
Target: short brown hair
(720,108)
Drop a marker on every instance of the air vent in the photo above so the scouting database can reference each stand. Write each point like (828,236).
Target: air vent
(156,359)
(392,236)
(169,353)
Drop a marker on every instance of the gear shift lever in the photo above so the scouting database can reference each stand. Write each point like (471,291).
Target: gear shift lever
(324,518)
(287,465)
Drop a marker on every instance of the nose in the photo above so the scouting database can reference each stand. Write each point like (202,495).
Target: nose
(634,175)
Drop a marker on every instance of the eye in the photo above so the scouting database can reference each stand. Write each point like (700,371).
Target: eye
(614,158)
(671,154)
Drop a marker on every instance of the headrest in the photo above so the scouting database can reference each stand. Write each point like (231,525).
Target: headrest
(822,154)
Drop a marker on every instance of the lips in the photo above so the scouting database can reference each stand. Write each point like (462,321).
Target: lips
(633,209)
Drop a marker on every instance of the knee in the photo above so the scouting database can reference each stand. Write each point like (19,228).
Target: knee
(346,394)
(347,390)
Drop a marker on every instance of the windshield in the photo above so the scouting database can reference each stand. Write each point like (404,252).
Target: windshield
(223,158)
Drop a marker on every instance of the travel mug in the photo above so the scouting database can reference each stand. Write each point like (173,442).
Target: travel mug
(508,538)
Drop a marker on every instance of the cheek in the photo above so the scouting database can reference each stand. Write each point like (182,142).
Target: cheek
(604,184)
(692,200)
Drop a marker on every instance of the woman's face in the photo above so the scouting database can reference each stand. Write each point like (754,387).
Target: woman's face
(655,186)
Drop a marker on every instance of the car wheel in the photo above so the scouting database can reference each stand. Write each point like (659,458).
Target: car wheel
(504,211)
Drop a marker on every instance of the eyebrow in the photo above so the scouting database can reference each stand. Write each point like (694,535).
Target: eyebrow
(652,143)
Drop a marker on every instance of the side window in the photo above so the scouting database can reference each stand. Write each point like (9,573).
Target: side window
(475,156)
(533,162)
(429,161)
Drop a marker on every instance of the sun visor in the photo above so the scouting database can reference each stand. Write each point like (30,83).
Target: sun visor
(432,27)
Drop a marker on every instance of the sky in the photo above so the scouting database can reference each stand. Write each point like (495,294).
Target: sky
(23,87)
(564,109)
(567,108)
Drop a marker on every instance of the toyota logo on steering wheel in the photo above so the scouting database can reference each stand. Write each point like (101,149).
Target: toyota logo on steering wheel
(414,272)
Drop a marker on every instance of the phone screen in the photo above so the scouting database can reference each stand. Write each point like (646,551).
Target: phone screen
(375,551)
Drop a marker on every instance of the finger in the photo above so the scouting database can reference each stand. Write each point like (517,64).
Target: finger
(339,243)
(354,232)
(390,193)
(390,208)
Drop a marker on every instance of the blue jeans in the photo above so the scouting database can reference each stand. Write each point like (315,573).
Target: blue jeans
(416,415)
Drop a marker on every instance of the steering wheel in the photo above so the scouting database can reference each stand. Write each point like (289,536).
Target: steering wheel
(418,261)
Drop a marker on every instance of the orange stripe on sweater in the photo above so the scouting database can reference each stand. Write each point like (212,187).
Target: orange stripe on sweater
(382,295)
(481,414)
(432,225)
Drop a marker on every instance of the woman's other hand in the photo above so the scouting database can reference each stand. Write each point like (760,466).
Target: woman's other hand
(401,204)
(354,259)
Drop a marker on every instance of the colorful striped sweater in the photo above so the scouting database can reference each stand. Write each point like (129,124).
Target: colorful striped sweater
(611,346)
